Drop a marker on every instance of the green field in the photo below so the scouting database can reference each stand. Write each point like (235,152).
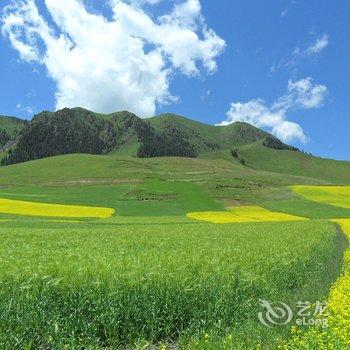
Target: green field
(148,277)
(98,286)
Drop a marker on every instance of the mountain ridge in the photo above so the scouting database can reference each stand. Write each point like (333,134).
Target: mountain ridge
(123,134)
(78,130)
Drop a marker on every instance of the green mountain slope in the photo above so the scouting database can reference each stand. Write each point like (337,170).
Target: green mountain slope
(73,131)
(80,131)
(10,128)
(11,125)
(206,138)
(295,163)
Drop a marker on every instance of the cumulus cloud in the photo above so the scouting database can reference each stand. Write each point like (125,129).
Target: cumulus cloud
(109,65)
(301,95)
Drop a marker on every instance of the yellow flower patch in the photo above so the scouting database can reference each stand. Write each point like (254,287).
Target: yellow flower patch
(335,195)
(242,214)
(262,214)
(65,221)
(217,217)
(9,206)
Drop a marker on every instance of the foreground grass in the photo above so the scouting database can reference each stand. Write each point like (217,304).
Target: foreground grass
(84,286)
(337,334)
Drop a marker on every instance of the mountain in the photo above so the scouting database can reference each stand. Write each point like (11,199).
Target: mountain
(10,129)
(208,137)
(81,131)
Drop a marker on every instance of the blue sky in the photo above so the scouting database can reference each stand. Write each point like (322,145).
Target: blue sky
(281,65)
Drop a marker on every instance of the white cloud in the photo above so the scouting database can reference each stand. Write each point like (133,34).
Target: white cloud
(109,65)
(285,12)
(301,95)
(186,14)
(300,54)
(26,109)
(317,47)
(320,44)
(22,23)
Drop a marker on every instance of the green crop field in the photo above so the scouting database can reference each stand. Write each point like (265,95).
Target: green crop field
(150,277)
(102,286)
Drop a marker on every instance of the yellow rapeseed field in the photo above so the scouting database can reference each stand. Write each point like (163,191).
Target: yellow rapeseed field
(334,195)
(218,217)
(262,214)
(242,214)
(65,221)
(9,206)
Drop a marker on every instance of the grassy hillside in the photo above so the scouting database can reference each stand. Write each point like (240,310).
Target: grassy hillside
(87,168)
(295,163)
(157,186)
